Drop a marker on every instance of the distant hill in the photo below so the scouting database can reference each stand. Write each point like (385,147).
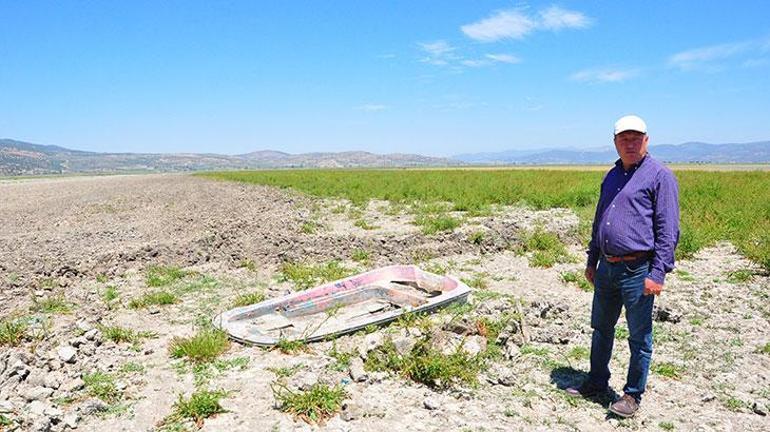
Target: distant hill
(691,152)
(22,158)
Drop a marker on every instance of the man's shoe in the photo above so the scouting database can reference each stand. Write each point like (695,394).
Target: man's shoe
(625,407)
(586,390)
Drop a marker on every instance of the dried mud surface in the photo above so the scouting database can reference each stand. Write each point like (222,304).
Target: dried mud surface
(75,238)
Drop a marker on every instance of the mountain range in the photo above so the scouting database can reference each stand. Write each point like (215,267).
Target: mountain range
(23,158)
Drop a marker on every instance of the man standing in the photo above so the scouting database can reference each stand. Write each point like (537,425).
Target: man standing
(635,232)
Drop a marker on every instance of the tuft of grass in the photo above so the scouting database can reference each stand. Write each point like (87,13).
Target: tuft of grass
(342,359)
(131,367)
(156,298)
(52,305)
(102,386)
(435,223)
(101,278)
(621,333)
(684,275)
(315,405)
(285,372)
(764,349)
(287,346)
(477,237)
(308,227)
(740,276)
(119,334)
(666,425)
(360,255)
(734,404)
(545,247)
(12,331)
(478,281)
(579,353)
(203,347)
(305,276)
(248,264)
(363,224)
(201,405)
(248,299)
(110,293)
(667,369)
(158,276)
(577,278)
(426,365)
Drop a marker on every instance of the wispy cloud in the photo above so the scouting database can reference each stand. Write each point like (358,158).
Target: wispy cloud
(716,57)
(504,58)
(516,24)
(437,52)
(608,75)
(372,107)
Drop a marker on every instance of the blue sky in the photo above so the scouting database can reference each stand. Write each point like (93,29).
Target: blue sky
(429,77)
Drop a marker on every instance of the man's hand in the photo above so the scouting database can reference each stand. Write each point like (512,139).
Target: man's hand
(590,273)
(652,287)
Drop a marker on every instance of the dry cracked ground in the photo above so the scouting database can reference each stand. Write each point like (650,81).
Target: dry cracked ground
(84,345)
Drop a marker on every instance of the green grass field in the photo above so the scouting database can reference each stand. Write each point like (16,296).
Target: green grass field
(715,205)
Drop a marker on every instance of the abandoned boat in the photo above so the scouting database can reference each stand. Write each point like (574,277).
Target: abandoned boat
(372,298)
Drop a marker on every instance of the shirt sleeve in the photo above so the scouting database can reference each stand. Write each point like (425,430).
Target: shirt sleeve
(593,245)
(665,225)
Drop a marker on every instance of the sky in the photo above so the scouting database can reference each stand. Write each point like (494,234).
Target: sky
(430,77)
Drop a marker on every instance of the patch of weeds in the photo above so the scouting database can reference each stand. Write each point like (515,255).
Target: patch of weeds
(734,404)
(285,372)
(684,276)
(360,255)
(248,264)
(342,359)
(239,363)
(697,320)
(534,350)
(579,353)
(199,406)
(119,334)
(666,425)
(315,405)
(371,328)
(478,281)
(426,365)
(667,369)
(101,278)
(546,248)
(110,294)
(577,278)
(248,299)
(5,421)
(202,283)
(203,347)
(432,224)
(155,298)
(305,276)
(131,367)
(764,349)
(477,237)
(158,276)
(621,333)
(363,224)
(287,346)
(102,386)
(52,305)
(12,331)
(740,276)
(308,227)
(436,268)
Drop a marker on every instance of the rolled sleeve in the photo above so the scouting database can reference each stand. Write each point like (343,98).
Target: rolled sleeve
(665,225)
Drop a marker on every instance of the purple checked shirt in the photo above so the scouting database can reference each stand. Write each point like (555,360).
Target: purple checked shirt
(638,210)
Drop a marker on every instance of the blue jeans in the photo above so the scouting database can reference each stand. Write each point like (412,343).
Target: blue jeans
(619,285)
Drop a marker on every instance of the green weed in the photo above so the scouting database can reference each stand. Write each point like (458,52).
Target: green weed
(203,347)
(52,305)
(764,349)
(102,386)
(579,353)
(158,276)
(476,237)
(156,298)
(432,224)
(248,299)
(363,224)
(285,372)
(577,278)
(131,367)
(12,331)
(546,248)
(668,370)
(478,281)
(201,405)
(315,405)
(110,293)
(248,264)
(740,276)
(305,276)
(287,346)
(119,334)
(360,255)
(621,333)
(666,425)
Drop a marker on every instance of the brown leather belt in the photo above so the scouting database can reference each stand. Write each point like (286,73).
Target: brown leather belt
(630,257)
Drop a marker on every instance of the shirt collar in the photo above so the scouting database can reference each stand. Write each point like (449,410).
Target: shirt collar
(619,162)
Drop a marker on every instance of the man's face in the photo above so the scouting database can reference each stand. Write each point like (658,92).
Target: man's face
(631,146)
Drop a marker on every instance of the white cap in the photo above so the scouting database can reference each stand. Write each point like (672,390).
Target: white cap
(630,122)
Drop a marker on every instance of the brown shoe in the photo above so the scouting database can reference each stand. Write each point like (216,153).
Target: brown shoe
(625,407)
(586,390)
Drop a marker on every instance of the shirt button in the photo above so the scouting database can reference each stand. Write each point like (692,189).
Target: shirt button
(625,174)
(608,223)
(618,188)
(613,206)
(606,241)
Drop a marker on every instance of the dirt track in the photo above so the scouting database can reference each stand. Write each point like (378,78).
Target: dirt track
(75,236)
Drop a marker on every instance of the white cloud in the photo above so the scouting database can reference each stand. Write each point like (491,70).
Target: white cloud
(503,25)
(372,107)
(716,57)
(604,75)
(515,24)
(438,52)
(556,18)
(504,58)
(476,63)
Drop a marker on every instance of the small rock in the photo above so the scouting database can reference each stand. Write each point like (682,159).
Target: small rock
(665,314)
(431,403)
(512,351)
(53,412)
(378,376)
(403,344)
(84,326)
(42,424)
(71,420)
(708,397)
(92,334)
(357,372)
(759,409)
(72,385)
(6,406)
(92,406)
(371,341)
(36,393)
(350,411)
(66,354)
(154,311)
(53,380)
(37,408)
(474,344)
(88,350)
(306,380)
(78,341)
